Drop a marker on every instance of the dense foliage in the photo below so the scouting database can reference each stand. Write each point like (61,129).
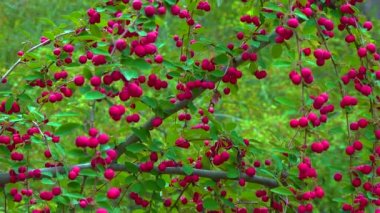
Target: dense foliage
(156,106)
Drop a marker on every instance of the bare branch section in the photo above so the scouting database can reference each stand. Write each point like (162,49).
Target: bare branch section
(19,61)
(215,175)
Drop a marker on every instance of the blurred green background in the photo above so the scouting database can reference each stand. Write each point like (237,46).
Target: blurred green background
(22,22)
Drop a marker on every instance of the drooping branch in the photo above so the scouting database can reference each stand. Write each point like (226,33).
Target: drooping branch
(19,61)
(215,175)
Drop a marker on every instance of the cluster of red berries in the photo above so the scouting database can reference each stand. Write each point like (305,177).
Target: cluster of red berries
(111,155)
(139,200)
(204,5)
(208,65)
(306,75)
(156,83)
(84,202)
(250,20)
(320,146)
(232,75)
(14,108)
(93,141)
(283,34)
(182,14)
(305,170)
(182,143)
(94,16)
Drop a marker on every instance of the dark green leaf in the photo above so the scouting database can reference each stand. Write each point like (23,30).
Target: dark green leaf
(282,191)
(188,169)
(142,133)
(95,31)
(47,181)
(210,203)
(151,102)
(221,59)
(94,95)
(276,50)
(135,148)
(131,167)
(8,104)
(129,74)
(66,128)
(232,172)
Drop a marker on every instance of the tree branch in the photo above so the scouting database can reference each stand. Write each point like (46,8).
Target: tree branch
(215,175)
(19,61)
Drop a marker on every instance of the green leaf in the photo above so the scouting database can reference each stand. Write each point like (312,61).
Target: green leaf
(94,29)
(188,169)
(171,153)
(136,187)
(94,95)
(138,63)
(4,151)
(309,27)
(130,179)
(150,185)
(66,114)
(129,74)
(262,38)
(217,73)
(254,43)
(281,63)
(273,6)
(161,183)
(285,101)
(221,59)
(131,167)
(170,2)
(8,104)
(142,133)
(300,14)
(210,203)
(281,190)
(228,203)
(66,128)
(47,181)
(151,102)
(276,50)
(232,173)
(89,173)
(135,148)
(73,195)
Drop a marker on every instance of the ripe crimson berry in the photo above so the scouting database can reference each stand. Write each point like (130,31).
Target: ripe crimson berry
(113,193)
(109,174)
(167,202)
(149,10)
(250,171)
(136,4)
(293,23)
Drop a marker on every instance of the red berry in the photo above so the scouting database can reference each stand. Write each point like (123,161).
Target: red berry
(113,193)
(79,80)
(338,176)
(293,23)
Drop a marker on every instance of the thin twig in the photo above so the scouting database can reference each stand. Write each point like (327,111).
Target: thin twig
(19,61)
